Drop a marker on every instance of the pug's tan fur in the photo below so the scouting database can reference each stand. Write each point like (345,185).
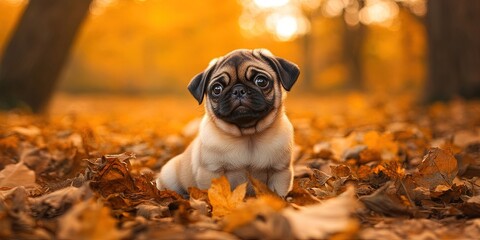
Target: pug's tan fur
(222,148)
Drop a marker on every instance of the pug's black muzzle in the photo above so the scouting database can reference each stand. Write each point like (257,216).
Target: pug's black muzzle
(243,106)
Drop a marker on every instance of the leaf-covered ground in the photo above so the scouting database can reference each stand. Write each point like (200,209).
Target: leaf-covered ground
(365,168)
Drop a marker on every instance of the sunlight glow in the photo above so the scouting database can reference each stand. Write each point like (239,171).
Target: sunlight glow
(270,3)
(333,8)
(418,7)
(379,12)
(288,19)
(351,18)
(98,7)
(310,5)
(286,27)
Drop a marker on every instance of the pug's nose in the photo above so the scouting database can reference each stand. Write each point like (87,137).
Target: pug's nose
(239,91)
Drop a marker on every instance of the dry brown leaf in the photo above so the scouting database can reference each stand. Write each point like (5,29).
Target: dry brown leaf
(466,137)
(112,175)
(248,212)
(89,220)
(301,196)
(261,188)
(324,219)
(58,202)
(385,202)
(438,167)
(150,210)
(198,194)
(30,131)
(341,145)
(382,143)
(202,207)
(9,144)
(340,171)
(14,175)
(471,207)
(223,200)
(370,155)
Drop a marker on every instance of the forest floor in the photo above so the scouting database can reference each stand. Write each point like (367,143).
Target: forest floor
(365,168)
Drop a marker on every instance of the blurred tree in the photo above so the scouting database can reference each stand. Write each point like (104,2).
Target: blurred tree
(37,51)
(454,49)
(358,16)
(353,40)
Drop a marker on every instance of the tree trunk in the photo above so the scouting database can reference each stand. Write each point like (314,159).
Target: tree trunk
(37,52)
(307,45)
(454,49)
(353,40)
(307,71)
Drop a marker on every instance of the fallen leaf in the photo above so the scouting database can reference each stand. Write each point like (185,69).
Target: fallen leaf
(16,219)
(181,211)
(340,145)
(471,207)
(323,219)
(438,167)
(340,171)
(403,229)
(58,202)
(89,220)
(382,143)
(223,200)
(198,194)
(272,226)
(469,161)
(261,188)
(373,233)
(322,150)
(385,202)
(252,209)
(465,138)
(320,177)
(151,210)
(370,155)
(15,198)
(353,152)
(201,206)
(9,143)
(300,196)
(111,175)
(14,175)
(30,131)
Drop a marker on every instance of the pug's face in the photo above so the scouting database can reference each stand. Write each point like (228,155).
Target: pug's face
(244,89)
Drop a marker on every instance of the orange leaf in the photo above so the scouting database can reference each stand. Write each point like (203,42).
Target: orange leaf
(246,213)
(223,200)
(14,175)
(439,167)
(383,143)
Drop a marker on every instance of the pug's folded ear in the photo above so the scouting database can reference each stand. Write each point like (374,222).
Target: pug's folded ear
(198,84)
(287,71)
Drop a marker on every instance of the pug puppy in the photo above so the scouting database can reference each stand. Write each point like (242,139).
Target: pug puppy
(244,129)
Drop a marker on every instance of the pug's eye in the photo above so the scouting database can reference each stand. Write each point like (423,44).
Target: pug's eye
(217,89)
(261,82)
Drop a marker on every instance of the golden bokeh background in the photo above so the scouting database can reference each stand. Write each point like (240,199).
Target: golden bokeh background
(157,46)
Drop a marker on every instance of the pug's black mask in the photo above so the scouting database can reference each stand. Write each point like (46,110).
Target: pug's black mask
(241,103)
(244,86)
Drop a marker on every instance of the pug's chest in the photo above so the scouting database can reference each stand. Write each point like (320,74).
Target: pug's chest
(249,155)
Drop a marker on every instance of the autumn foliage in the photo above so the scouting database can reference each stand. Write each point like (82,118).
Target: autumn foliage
(367,170)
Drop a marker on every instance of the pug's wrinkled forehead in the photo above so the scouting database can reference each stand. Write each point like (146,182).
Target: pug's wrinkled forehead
(242,65)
